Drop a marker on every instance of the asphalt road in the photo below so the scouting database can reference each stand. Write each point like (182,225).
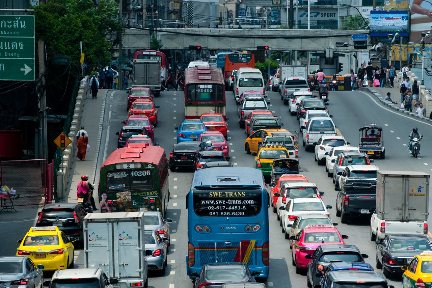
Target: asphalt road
(350,111)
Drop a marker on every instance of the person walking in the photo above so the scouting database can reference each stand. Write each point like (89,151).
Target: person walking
(82,147)
(402,91)
(80,132)
(94,84)
(391,76)
(421,112)
(179,77)
(369,74)
(102,75)
(415,91)
(383,76)
(353,78)
(109,77)
(408,101)
(360,76)
(94,72)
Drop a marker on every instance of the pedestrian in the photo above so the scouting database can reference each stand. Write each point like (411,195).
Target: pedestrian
(94,84)
(415,91)
(383,76)
(360,76)
(82,147)
(391,76)
(80,132)
(421,111)
(407,83)
(94,72)
(369,74)
(408,101)
(388,98)
(404,71)
(170,81)
(109,77)
(353,78)
(378,74)
(179,78)
(402,91)
(102,75)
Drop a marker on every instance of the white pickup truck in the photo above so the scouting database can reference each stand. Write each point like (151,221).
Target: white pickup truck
(402,199)
(315,129)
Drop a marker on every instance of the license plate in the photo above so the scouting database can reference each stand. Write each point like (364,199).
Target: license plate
(80,200)
(193,136)
(58,223)
(212,127)
(39,255)
(183,157)
(364,211)
(370,152)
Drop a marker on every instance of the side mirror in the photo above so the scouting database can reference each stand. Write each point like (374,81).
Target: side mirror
(169,220)
(321,193)
(293,238)
(256,273)
(19,241)
(365,255)
(329,207)
(404,267)
(117,133)
(148,252)
(128,89)
(227,118)
(194,274)
(331,116)
(282,208)
(276,194)
(124,122)
(335,224)
(308,256)
(113,280)
(156,144)
(157,106)
(326,153)
(333,161)
(39,213)
(344,236)
(176,128)
(40,266)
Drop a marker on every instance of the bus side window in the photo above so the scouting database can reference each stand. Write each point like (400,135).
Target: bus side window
(187,197)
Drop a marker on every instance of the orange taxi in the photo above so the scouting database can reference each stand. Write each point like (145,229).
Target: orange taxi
(143,107)
(276,187)
(256,113)
(215,122)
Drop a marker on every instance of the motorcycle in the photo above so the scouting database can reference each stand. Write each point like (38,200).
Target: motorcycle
(82,200)
(334,85)
(415,147)
(323,96)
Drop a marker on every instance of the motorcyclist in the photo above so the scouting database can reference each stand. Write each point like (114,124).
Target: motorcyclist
(334,83)
(323,89)
(414,134)
(84,190)
(208,146)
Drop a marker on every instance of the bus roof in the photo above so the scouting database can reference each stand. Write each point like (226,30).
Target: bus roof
(150,154)
(228,176)
(208,75)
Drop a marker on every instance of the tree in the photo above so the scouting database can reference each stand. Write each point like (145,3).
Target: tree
(155,44)
(356,22)
(263,67)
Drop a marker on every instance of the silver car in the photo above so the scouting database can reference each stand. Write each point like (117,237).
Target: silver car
(154,221)
(156,251)
(18,271)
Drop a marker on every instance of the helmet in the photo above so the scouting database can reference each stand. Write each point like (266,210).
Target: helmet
(415,129)
(84,177)
(209,143)
(323,82)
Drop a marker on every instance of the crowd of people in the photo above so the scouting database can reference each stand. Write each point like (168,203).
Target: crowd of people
(376,77)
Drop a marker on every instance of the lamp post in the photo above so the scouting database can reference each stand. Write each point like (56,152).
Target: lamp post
(390,36)
(396,35)
(425,36)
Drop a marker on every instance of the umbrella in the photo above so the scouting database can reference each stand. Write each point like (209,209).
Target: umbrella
(126,68)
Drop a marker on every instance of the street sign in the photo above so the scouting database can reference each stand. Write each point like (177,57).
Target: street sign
(17,47)
(62,141)
(359,37)
(121,59)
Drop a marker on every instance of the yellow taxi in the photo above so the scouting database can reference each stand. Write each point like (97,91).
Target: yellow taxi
(266,155)
(418,272)
(252,143)
(47,246)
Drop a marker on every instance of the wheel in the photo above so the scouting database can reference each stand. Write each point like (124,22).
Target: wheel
(415,152)
(309,285)
(278,217)
(286,235)
(382,155)
(304,144)
(248,149)
(298,269)
(329,174)
(338,212)
(378,263)
(162,271)
(73,260)
(327,170)
(242,124)
(155,124)
(372,236)
(146,283)
(386,272)
(172,168)
(315,158)
(157,93)
(285,102)
(334,181)
(292,258)
(274,209)
(344,217)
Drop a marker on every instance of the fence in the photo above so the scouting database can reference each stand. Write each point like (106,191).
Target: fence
(32,179)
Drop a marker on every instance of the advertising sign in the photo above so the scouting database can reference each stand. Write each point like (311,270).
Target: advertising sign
(383,23)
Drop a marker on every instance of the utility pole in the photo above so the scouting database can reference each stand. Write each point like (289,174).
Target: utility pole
(400,53)
(291,14)
(120,73)
(43,147)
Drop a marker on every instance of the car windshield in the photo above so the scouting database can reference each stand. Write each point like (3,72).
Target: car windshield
(255,104)
(313,221)
(333,142)
(308,206)
(321,125)
(350,160)
(426,267)
(364,174)
(322,237)
(140,93)
(273,154)
(143,106)
(302,193)
(410,244)
(252,95)
(282,140)
(211,158)
(313,104)
(149,237)
(139,141)
(299,98)
(312,115)
(265,122)
(228,274)
(133,122)
(296,82)
(212,119)
(212,138)
(43,240)
(359,285)
(151,220)
(261,115)
(250,82)
(341,256)
(188,146)
(11,268)
(76,283)
(189,127)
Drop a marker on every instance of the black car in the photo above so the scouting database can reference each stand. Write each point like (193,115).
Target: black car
(396,250)
(217,274)
(310,104)
(128,131)
(209,156)
(185,154)
(325,254)
(67,216)
(355,279)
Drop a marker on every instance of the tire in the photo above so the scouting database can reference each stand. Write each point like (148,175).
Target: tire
(344,217)
(274,209)
(329,174)
(146,283)
(304,144)
(315,158)
(327,170)
(378,264)
(157,93)
(162,271)
(415,152)
(386,273)
(172,168)
(338,212)
(382,155)
(292,258)
(247,149)
(298,269)
(155,124)
(372,236)
(309,285)
(278,217)
(286,235)
(282,230)
(242,124)
(334,181)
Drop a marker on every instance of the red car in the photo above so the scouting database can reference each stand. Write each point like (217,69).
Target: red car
(140,93)
(147,108)
(282,180)
(218,141)
(143,121)
(215,122)
(308,239)
(139,141)
(255,113)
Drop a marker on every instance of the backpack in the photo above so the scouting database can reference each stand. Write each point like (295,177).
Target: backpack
(391,73)
(94,84)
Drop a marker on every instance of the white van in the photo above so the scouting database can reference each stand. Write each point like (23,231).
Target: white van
(198,63)
(248,79)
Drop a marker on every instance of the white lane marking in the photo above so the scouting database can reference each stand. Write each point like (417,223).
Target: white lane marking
(235,164)
(175,187)
(426,164)
(175,179)
(232,151)
(228,131)
(270,284)
(230,143)
(175,196)
(404,144)
(173,250)
(391,131)
(173,230)
(271,104)
(172,261)
(175,104)
(175,131)
(384,124)
(174,213)
(173,240)
(175,138)
(398,138)
(174,98)
(174,111)
(172,273)
(171,286)
(233,157)
(174,204)
(174,117)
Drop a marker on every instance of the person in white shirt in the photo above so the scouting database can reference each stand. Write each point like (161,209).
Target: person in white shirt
(421,111)
(82,131)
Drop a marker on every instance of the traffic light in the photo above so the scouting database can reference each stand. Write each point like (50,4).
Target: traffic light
(340,68)
(191,47)
(62,141)
(263,47)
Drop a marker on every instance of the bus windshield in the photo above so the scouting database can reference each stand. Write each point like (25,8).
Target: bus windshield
(149,57)
(233,203)
(126,180)
(239,58)
(207,92)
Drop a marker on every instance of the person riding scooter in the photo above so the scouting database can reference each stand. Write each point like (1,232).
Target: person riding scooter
(414,134)
(84,190)
(334,83)
(323,91)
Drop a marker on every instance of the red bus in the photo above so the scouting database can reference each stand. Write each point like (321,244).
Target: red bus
(235,61)
(204,92)
(154,55)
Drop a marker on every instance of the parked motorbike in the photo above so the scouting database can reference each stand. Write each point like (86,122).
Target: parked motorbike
(415,147)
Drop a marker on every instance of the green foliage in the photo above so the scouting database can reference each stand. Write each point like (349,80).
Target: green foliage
(263,67)
(61,23)
(155,44)
(355,22)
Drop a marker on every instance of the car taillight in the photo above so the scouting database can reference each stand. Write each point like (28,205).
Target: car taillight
(191,254)
(232,77)
(157,252)
(242,114)
(182,135)
(22,281)
(237,90)
(328,215)
(420,284)
(322,148)
(306,249)
(392,262)
(382,230)
(367,161)
(171,155)
(121,135)
(40,217)
(264,89)
(199,165)
(77,220)
(296,153)
(266,253)
(294,101)
(22,252)
(137,284)
(425,228)
(57,251)
(161,232)
(292,217)
(346,201)
(258,163)
(309,90)
(203,285)
(303,111)
(284,199)
(307,138)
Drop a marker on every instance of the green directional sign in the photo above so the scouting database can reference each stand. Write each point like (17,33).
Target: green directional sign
(17,47)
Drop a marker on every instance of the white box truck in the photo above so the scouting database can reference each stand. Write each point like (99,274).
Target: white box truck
(289,71)
(114,242)
(147,73)
(402,199)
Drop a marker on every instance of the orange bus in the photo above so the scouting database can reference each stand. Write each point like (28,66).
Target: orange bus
(235,61)
(134,179)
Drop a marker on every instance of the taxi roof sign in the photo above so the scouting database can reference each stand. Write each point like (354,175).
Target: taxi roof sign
(426,253)
(319,226)
(46,228)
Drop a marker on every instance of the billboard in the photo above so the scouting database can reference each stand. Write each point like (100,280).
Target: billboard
(383,23)
(421,14)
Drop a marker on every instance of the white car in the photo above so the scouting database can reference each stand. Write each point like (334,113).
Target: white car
(301,206)
(295,99)
(332,155)
(325,144)
(310,114)
(274,82)
(281,201)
